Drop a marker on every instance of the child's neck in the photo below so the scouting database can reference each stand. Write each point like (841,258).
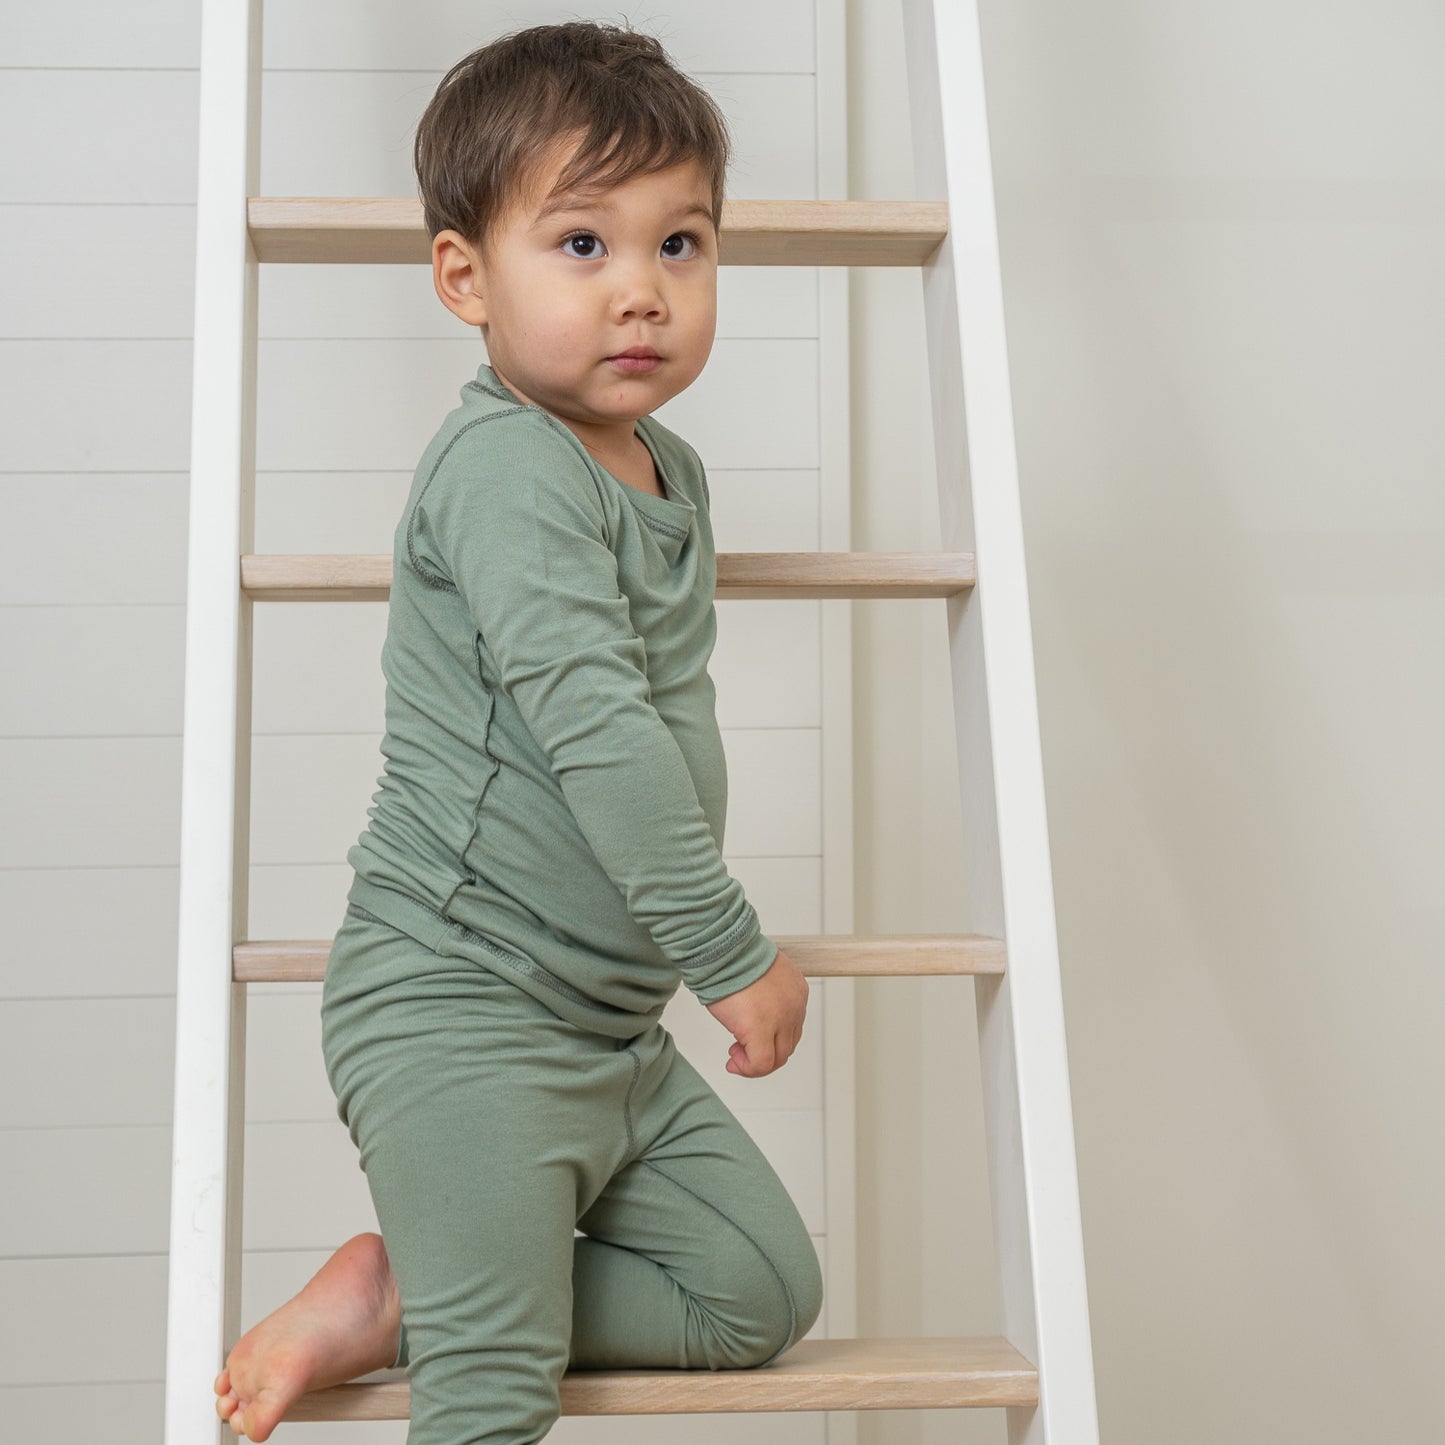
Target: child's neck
(613,445)
(628,459)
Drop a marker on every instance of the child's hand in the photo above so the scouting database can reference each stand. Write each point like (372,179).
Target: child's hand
(766,1019)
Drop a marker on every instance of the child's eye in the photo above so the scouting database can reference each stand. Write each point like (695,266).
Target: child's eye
(582,244)
(681,246)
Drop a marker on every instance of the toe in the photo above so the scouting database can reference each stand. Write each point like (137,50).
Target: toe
(263,1418)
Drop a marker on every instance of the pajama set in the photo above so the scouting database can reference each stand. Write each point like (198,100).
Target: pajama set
(541,869)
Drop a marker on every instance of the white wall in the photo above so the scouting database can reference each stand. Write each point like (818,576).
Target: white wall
(357,366)
(1221,228)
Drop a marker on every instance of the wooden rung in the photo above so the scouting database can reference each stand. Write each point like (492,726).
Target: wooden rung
(317,577)
(818,955)
(341,577)
(901,1374)
(754,233)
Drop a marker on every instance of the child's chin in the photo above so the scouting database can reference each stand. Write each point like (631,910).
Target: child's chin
(635,396)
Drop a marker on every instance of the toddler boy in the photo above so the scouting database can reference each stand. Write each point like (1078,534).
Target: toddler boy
(542,864)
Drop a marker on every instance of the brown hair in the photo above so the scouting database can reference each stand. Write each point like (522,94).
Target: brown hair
(498,112)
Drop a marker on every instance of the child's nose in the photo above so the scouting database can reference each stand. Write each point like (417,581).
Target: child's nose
(639,292)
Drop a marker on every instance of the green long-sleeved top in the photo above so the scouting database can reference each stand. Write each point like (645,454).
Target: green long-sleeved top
(555,790)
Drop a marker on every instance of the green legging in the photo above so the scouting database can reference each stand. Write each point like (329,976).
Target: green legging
(490,1130)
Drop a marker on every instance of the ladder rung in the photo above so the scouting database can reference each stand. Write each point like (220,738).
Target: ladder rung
(818,955)
(900,1374)
(754,233)
(343,577)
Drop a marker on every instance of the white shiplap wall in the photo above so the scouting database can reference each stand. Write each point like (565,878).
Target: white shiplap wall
(357,365)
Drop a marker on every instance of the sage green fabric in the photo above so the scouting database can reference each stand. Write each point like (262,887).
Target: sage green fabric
(490,1129)
(555,789)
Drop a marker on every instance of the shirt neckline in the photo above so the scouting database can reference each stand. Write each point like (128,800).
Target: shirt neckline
(674,502)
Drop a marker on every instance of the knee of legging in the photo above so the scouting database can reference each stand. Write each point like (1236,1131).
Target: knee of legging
(778,1303)
(804,1281)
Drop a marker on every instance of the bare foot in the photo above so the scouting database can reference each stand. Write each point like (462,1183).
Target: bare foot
(344,1323)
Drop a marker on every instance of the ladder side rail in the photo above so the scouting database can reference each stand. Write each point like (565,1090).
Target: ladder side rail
(1034,1182)
(835,618)
(203,1314)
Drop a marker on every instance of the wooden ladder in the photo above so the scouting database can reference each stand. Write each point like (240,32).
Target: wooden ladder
(1040,1367)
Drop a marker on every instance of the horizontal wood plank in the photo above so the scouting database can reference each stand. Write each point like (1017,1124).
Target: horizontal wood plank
(908,955)
(343,577)
(898,1374)
(351,229)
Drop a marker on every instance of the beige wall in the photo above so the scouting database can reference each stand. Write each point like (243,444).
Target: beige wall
(1222,229)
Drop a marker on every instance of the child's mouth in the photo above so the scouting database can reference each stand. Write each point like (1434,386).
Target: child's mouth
(636,359)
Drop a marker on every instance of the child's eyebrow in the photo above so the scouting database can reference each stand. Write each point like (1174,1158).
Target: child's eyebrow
(572,201)
(691,211)
(567,201)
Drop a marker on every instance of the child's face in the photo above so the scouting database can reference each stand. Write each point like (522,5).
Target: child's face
(598,307)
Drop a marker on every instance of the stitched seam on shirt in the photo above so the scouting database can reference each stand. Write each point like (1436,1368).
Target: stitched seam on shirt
(434,579)
(519,964)
(724,943)
(475,385)
(515,961)
(666,527)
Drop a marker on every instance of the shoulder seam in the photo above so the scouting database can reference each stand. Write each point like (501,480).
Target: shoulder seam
(434,579)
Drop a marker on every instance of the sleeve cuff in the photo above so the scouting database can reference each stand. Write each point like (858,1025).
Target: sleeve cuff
(745,963)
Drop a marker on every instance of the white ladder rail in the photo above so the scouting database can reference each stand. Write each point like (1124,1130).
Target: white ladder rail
(1033,1176)
(207,1139)
(1026,1089)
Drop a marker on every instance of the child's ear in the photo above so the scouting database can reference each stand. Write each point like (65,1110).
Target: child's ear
(457,275)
